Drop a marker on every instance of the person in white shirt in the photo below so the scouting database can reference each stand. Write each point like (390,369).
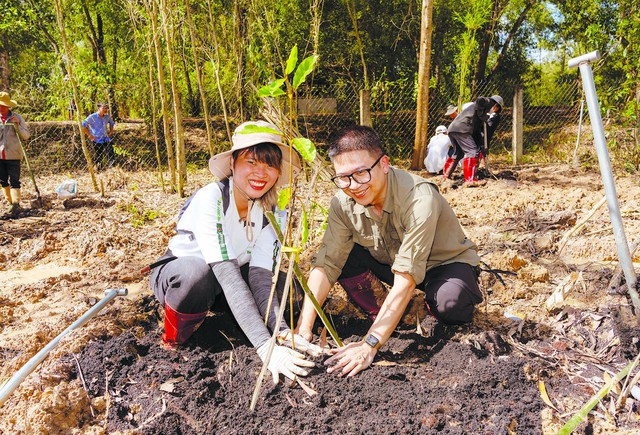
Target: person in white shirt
(437,150)
(225,245)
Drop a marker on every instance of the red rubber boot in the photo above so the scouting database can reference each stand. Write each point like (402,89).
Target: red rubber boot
(449,167)
(469,167)
(362,290)
(178,327)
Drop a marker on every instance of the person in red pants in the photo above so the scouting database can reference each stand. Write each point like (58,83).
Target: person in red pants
(387,225)
(466,134)
(225,246)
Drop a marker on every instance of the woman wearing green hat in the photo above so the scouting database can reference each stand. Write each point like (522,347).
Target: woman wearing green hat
(225,246)
(13,129)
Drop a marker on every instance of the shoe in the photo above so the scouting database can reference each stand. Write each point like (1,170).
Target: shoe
(362,291)
(449,167)
(178,327)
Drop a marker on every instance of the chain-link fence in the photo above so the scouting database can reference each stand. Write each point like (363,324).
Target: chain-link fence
(55,146)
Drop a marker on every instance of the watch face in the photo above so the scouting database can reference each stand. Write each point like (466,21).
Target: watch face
(371,340)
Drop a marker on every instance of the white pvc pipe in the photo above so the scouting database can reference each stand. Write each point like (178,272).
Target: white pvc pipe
(30,366)
(583,62)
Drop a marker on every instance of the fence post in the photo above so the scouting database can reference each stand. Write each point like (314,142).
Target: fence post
(516,145)
(365,107)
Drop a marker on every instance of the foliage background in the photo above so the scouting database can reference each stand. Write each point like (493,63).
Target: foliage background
(479,47)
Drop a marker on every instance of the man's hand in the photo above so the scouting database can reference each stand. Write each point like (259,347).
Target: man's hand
(300,343)
(350,359)
(284,360)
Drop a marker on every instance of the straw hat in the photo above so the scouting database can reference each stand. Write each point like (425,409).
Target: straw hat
(247,135)
(5,100)
(451,109)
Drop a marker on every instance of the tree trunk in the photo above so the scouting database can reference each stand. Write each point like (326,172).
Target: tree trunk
(216,69)
(437,47)
(514,29)
(351,8)
(152,12)
(240,35)
(5,71)
(168,29)
(194,108)
(424,65)
(203,94)
(96,38)
(487,32)
(76,92)
(115,112)
(154,121)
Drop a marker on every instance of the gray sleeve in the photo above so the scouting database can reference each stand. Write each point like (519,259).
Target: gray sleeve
(260,284)
(240,300)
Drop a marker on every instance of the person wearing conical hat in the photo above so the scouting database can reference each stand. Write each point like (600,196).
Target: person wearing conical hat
(13,129)
(225,247)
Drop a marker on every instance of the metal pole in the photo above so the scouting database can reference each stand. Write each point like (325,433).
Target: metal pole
(30,366)
(584,63)
(575,150)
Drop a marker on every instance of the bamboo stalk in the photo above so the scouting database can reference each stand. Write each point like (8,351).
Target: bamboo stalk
(274,336)
(595,399)
(305,286)
(76,92)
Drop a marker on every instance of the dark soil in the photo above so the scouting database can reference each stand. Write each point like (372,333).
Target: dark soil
(417,385)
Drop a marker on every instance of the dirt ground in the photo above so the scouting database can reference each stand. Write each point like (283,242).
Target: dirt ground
(113,375)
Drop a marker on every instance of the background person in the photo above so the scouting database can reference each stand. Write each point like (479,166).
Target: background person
(99,128)
(493,119)
(465,132)
(386,224)
(13,128)
(224,246)
(437,150)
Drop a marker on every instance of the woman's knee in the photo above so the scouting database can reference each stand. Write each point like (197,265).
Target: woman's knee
(186,289)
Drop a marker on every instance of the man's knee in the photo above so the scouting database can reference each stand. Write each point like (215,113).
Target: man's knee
(455,311)
(455,302)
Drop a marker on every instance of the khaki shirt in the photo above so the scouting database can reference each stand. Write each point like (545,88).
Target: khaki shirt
(417,231)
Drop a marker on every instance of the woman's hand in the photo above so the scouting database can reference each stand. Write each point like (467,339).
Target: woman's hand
(300,343)
(284,361)
(351,359)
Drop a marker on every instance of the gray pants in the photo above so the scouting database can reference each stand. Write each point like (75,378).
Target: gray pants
(187,284)
(464,145)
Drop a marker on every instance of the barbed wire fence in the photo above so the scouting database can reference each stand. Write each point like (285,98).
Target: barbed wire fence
(55,146)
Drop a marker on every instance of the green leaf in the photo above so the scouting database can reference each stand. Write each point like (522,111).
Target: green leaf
(305,147)
(292,61)
(273,89)
(284,196)
(305,225)
(252,128)
(303,70)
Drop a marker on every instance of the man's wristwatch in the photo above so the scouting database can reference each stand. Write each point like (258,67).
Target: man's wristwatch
(372,341)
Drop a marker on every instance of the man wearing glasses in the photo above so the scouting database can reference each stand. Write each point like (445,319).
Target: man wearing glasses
(387,225)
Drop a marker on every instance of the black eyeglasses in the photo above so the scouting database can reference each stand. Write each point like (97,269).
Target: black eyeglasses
(361,176)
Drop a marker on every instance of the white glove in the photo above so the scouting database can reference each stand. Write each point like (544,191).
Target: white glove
(284,360)
(301,343)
